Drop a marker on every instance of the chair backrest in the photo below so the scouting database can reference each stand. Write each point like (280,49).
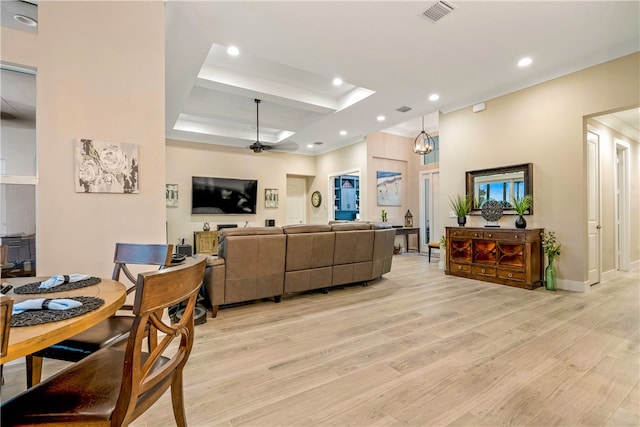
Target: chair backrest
(6,305)
(140,254)
(147,376)
(4,253)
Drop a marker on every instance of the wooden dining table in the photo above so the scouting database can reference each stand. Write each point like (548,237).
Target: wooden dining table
(25,340)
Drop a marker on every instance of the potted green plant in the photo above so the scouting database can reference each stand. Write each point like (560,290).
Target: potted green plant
(552,250)
(384,215)
(522,205)
(461,205)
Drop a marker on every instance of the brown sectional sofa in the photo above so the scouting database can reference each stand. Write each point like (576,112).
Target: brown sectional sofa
(263,262)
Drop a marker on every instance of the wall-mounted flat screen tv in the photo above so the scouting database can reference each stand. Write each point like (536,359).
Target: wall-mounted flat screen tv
(223,195)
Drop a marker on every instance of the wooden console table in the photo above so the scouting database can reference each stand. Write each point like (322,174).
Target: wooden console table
(507,256)
(406,231)
(206,242)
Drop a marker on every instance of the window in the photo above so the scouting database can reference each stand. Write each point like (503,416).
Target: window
(434,156)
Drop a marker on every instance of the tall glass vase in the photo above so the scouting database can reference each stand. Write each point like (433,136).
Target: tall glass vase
(550,276)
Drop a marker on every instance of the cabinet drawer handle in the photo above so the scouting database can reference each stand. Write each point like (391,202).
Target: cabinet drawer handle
(483,270)
(475,234)
(459,267)
(510,274)
(517,237)
(490,235)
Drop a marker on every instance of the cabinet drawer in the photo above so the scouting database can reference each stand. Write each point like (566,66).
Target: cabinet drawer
(484,271)
(460,267)
(511,275)
(501,235)
(466,233)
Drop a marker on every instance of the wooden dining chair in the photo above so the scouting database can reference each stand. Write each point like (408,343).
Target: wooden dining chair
(116,384)
(115,327)
(6,305)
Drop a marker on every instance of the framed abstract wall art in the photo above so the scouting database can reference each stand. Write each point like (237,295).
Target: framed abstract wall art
(389,188)
(172,195)
(105,167)
(270,197)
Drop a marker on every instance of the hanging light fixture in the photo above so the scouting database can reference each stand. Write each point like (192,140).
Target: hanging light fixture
(424,143)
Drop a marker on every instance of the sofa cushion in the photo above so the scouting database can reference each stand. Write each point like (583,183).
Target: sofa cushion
(346,226)
(309,250)
(305,228)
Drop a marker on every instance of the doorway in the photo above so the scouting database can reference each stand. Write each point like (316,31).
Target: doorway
(622,205)
(430,206)
(296,196)
(18,171)
(344,188)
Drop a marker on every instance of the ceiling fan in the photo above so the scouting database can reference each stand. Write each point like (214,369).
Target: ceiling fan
(257,146)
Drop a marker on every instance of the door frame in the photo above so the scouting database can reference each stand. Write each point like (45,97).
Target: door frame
(331,213)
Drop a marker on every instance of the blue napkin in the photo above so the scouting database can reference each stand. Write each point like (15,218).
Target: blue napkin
(61,279)
(45,304)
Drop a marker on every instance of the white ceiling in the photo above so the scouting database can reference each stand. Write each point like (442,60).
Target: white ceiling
(291,51)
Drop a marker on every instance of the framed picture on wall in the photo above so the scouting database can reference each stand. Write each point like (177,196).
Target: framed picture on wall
(105,167)
(172,195)
(270,197)
(389,187)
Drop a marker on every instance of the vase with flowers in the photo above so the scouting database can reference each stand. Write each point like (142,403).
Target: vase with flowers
(552,250)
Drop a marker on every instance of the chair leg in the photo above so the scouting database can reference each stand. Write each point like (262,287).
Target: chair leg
(177,399)
(34,370)
(429,253)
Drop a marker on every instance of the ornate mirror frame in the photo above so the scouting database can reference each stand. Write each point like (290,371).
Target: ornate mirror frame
(501,175)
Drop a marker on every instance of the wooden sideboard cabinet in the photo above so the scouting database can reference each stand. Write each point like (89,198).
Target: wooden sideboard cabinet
(206,242)
(511,257)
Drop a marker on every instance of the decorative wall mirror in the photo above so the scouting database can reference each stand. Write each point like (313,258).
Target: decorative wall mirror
(501,184)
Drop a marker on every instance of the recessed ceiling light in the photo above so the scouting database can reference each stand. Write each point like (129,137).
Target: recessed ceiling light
(309,145)
(343,132)
(381,118)
(25,20)
(525,62)
(233,51)
(434,97)
(337,81)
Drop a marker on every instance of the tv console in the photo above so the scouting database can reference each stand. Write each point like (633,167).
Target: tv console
(506,256)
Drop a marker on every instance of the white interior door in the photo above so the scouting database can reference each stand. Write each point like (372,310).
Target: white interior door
(593,207)
(622,212)
(430,206)
(296,196)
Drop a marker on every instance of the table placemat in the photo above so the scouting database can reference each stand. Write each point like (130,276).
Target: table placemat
(33,288)
(38,317)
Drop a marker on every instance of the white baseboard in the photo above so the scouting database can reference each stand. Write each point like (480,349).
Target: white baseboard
(635,265)
(608,275)
(572,285)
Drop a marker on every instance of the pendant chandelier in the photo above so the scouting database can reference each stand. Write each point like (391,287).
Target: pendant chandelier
(424,143)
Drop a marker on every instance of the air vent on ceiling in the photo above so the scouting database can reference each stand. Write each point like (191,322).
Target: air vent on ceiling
(438,11)
(318,143)
(403,109)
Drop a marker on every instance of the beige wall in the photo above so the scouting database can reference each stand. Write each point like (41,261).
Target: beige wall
(392,153)
(100,75)
(346,160)
(543,125)
(270,168)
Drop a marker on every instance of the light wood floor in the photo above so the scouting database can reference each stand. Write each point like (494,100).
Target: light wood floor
(415,348)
